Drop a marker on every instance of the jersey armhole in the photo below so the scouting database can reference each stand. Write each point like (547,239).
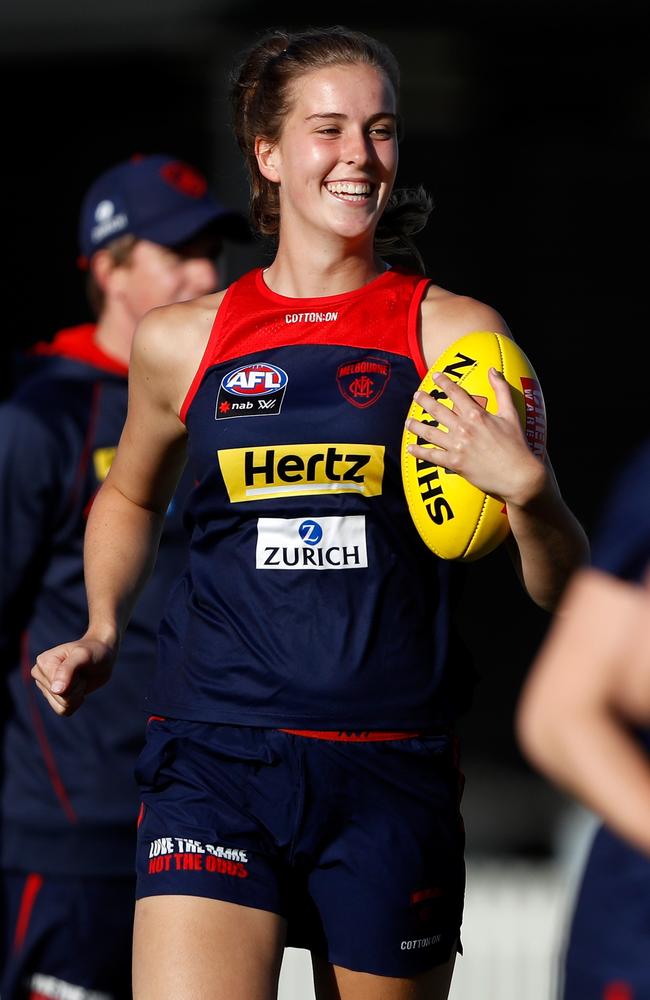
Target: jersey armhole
(208,353)
(415,349)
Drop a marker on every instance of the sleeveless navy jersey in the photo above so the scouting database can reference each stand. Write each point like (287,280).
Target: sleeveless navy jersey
(69,800)
(310,601)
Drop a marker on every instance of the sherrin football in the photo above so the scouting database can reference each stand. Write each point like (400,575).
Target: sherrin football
(454,518)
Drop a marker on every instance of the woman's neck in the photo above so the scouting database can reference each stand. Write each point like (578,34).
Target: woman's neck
(309,275)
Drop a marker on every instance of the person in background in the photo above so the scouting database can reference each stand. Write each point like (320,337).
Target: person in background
(583,720)
(151,234)
(299,781)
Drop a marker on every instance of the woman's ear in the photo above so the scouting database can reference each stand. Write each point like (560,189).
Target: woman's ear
(268,156)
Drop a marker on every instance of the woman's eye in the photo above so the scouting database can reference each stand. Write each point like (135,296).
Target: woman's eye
(382,132)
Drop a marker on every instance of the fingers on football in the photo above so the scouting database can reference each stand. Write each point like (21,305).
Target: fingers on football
(435,408)
(503,393)
(435,456)
(460,398)
(427,433)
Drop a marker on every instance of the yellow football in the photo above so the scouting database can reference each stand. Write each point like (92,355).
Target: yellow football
(455,519)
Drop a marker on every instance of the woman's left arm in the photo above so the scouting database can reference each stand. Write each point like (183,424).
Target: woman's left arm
(548,543)
(490,450)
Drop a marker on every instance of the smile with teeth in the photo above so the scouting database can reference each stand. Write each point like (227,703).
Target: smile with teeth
(349,190)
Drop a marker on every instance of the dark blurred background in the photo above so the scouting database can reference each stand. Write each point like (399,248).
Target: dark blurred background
(527,121)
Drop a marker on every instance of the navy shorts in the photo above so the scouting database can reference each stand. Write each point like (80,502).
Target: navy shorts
(66,937)
(359,845)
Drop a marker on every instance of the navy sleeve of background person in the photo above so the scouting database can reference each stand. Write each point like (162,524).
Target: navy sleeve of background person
(69,800)
(622,538)
(31,483)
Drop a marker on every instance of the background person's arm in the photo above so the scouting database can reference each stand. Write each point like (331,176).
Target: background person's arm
(587,689)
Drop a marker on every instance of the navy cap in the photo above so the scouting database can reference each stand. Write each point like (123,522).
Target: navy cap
(156,197)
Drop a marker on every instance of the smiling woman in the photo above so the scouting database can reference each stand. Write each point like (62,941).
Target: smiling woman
(277,66)
(300,780)
(334,171)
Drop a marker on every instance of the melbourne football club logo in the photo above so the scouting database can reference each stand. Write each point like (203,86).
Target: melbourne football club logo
(362,382)
(251,391)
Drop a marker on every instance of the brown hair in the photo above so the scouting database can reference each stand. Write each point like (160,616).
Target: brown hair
(120,250)
(259,93)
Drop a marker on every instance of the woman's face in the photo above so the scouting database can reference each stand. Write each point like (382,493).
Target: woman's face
(336,159)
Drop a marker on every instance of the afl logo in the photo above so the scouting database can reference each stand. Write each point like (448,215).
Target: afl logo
(251,390)
(255,380)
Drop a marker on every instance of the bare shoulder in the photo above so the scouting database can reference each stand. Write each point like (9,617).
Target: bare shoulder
(169,344)
(447,316)
(167,334)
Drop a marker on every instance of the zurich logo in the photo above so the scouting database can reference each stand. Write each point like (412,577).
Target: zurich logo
(310,532)
(255,380)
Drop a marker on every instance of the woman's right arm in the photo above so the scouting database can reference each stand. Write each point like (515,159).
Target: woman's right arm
(126,519)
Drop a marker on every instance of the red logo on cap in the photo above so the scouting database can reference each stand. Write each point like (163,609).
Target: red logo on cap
(185,179)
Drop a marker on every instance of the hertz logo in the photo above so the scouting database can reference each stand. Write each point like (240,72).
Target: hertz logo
(302,470)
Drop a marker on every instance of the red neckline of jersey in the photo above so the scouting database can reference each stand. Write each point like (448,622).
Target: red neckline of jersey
(268,293)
